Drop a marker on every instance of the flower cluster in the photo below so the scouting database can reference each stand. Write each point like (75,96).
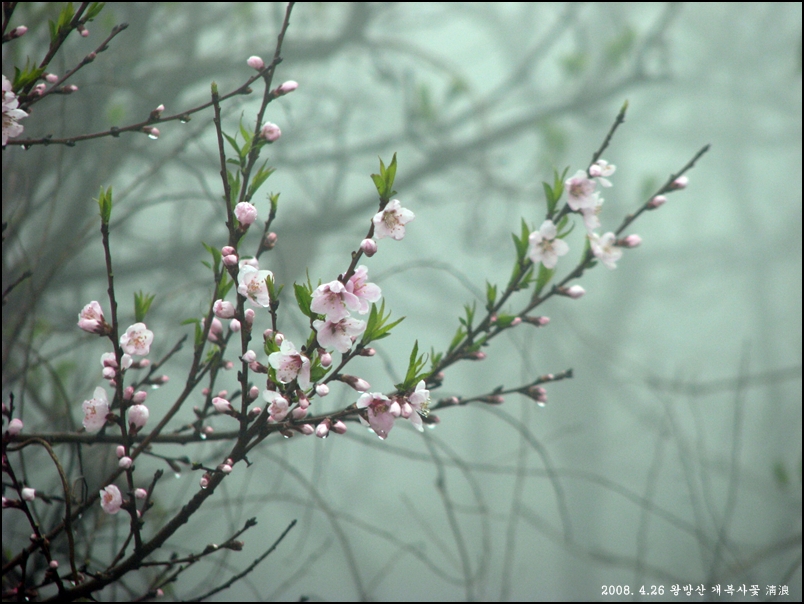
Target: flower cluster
(381,411)
(335,300)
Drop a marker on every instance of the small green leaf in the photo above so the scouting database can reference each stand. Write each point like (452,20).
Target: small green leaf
(142,303)
(105,204)
(304,297)
(545,274)
(491,295)
(456,339)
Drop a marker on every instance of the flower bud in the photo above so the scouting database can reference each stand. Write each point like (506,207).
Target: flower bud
(120,451)
(299,413)
(227,249)
(538,394)
(249,315)
(322,429)
(138,415)
(287,87)
(125,462)
(630,241)
(339,427)
(140,493)
(270,241)
(253,393)
(256,62)
(306,429)
(574,291)
(15,426)
(245,212)
(325,358)
(152,132)
(357,383)
(322,390)
(18,31)
(221,405)
(51,78)
(230,260)
(223,309)
(657,201)
(680,183)
(139,396)
(249,357)
(270,132)
(369,247)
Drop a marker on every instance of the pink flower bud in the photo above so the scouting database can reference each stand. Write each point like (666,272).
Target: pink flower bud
(157,113)
(395,409)
(223,309)
(270,240)
(322,429)
(230,260)
(221,405)
(52,78)
(657,201)
(249,357)
(152,132)
(39,89)
(108,373)
(18,31)
(494,399)
(478,355)
(140,493)
(369,247)
(120,451)
(339,427)
(139,396)
(325,358)
(92,56)
(357,383)
(538,321)
(630,241)
(226,468)
(322,390)
(245,212)
(138,415)
(204,482)
(270,132)
(538,394)
(15,426)
(253,392)
(367,352)
(227,249)
(287,87)
(278,339)
(28,494)
(54,564)
(680,182)
(254,412)
(256,62)
(516,321)
(91,319)
(249,315)
(574,291)
(83,31)
(299,413)
(234,325)
(125,462)
(128,393)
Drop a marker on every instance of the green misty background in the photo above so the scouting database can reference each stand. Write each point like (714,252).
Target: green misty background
(672,457)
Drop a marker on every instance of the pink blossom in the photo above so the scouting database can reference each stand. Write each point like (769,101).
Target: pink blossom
(234,325)
(322,429)
(137,339)
(279,405)
(333,299)
(138,415)
(256,62)
(580,191)
(380,416)
(111,499)
(125,462)
(108,359)
(322,390)
(339,427)
(215,330)
(604,248)
(632,240)
(11,113)
(91,318)
(290,365)
(544,247)
(366,292)
(15,426)
(230,260)
(251,285)
(245,213)
(391,221)
(95,411)
(591,215)
(270,132)
(339,335)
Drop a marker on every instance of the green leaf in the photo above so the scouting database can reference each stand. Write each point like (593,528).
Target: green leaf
(415,366)
(505,320)
(456,339)
(259,178)
(142,303)
(94,10)
(199,332)
(233,142)
(105,204)
(304,297)
(378,326)
(545,274)
(491,295)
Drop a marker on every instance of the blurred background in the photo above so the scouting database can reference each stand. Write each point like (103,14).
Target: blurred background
(674,454)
